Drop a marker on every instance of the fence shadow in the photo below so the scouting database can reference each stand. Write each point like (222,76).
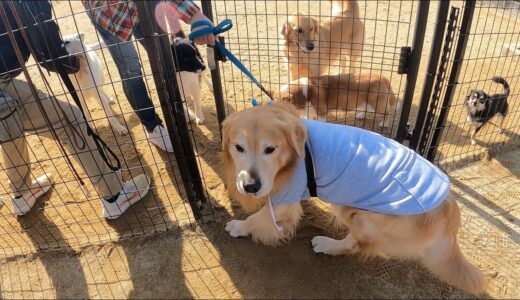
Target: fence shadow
(68,277)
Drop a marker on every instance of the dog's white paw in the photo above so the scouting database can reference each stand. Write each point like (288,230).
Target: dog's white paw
(199,120)
(464,134)
(236,228)
(501,130)
(111,100)
(360,115)
(383,124)
(326,245)
(122,130)
(473,142)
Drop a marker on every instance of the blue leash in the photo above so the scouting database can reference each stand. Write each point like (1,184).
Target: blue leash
(220,28)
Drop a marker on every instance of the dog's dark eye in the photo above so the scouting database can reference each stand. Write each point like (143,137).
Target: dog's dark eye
(269,150)
(299,30)
(239,148)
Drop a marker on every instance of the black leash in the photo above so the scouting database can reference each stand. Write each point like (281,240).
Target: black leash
(37,32)
(309,167)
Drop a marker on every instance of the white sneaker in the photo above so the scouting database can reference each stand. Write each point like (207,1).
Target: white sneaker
(133,191)
(160,138)
(39,187)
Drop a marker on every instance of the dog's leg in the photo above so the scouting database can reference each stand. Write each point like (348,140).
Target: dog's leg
(475,127)
(385,122)
(261,227)
(105,102)
(195,95)
(501,126)
(326,245)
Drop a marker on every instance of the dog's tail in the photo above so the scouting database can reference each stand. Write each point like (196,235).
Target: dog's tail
(346,5)
(445,259)
(502,81)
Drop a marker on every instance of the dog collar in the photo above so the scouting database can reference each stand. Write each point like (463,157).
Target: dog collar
(309,167)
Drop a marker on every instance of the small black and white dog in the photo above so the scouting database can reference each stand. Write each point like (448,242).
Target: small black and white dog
(190,70)
(483,107)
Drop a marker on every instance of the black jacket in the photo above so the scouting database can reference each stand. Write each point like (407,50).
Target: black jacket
(44,38)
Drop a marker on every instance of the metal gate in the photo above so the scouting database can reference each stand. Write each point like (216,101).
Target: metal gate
(394,52)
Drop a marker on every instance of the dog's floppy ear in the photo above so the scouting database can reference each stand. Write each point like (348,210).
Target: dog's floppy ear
(296,135)
(226,127)
(285,29)
(315,26)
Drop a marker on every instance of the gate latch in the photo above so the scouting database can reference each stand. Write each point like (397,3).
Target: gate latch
(403,60)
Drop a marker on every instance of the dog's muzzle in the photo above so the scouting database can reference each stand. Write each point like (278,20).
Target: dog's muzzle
(248,183)
(310,46)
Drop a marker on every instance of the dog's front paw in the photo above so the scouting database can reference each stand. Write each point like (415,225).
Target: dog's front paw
(326,245)
(111,100)
(473,142)
(360,115)
(236,228)
(122,130)
(199,120)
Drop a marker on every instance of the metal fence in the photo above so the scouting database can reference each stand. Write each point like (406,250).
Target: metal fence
(431,53)
(68,216)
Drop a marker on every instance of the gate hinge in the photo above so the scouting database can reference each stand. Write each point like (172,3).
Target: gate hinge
(403,60)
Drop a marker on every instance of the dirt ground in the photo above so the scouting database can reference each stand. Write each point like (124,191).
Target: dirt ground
(82,255)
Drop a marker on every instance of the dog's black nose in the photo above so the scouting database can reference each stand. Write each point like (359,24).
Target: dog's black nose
(253,188)
(310,46)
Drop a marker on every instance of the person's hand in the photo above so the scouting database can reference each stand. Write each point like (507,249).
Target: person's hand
(207,39)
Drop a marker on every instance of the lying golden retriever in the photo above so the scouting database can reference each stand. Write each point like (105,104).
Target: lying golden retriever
(311,47)
(363,92)
(402,209)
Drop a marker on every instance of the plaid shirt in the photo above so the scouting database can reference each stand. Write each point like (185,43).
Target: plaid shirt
(120,16)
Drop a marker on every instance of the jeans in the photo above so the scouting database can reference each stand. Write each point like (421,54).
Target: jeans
(126,59)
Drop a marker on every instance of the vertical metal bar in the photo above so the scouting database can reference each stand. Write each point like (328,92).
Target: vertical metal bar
(413,69)
(433,62)
(218,93)
(429,123)
(172,106)
(462,42)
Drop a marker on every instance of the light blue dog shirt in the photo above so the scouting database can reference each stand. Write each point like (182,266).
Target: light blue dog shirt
(362,169)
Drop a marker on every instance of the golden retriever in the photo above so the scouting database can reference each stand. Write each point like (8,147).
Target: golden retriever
(263,146)
(363,92)
(311,47)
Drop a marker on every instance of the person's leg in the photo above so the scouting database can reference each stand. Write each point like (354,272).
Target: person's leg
(126,58)
(83,149)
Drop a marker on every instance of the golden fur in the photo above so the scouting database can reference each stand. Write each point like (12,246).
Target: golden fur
(361,92)
(429,237)
(312,47)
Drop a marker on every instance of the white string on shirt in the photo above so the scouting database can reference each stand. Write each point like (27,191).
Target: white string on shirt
(278,227)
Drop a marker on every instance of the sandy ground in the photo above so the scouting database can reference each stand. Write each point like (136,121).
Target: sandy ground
(101,259)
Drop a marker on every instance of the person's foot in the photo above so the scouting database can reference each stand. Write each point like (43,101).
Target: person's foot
(25,202)
(133,191)
(160,138)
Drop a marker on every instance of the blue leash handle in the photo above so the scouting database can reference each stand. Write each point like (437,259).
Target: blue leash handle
(220,28)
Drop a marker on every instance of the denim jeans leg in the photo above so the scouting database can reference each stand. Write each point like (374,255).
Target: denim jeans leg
(126,58)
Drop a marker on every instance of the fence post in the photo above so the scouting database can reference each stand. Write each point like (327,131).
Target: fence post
(462,42)
(433,62)
(161,62)
(207,9)
(413,68)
